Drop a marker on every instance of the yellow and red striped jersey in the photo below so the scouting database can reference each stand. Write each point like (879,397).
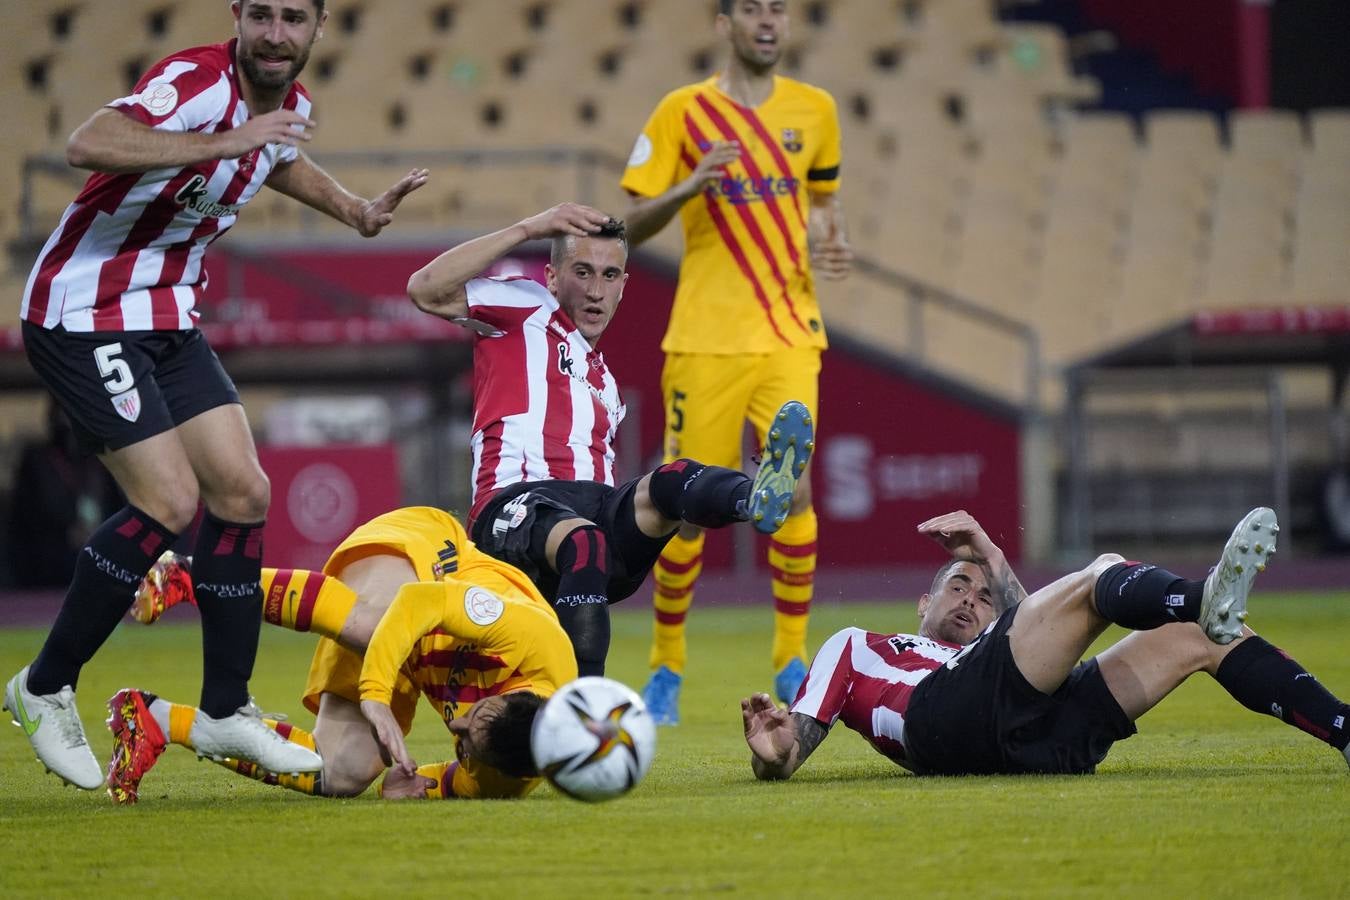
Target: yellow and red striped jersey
(745,279)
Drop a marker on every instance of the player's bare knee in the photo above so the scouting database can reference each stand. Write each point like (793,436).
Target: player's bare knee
(175,510)
(1099,565)
(245,498)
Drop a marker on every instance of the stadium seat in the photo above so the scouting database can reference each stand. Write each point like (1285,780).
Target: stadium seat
(1185,138)
(1036,56)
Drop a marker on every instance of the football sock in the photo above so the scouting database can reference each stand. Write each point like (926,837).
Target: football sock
(226,564)
(792,560)
(1262,678)
(175,720)
(582,602)
(107,571)
(1138,596)
(706,496)
(303,600)
(675,573)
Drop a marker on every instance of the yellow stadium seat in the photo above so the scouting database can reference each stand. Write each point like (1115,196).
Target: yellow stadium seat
(1330,132)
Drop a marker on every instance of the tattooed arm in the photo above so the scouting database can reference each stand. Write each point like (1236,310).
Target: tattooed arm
(962,537)
(779,741)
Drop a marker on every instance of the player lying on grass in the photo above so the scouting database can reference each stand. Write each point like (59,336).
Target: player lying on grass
(405,606)
(546,409)
(992,683)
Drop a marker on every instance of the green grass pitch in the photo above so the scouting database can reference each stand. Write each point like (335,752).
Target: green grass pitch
(1208,800)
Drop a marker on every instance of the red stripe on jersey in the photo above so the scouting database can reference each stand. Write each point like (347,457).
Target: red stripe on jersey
(304,613)
(209,63)
(558,417)
(748,218)
(459,659)
(461,693)
(76,225)
(448,780)
(734,247)
(753,170)
(115,274)
(779,159)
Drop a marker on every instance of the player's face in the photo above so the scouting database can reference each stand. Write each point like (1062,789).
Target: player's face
(757,29)
(589,283)
(960,608)
(471,728)
(275,37)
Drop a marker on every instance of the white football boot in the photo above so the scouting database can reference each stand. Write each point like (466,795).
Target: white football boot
(243,736)
(1223,605)
(53,727)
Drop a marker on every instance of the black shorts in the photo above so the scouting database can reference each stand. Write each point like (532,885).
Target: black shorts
(121,387)
(979,715)
(515,524)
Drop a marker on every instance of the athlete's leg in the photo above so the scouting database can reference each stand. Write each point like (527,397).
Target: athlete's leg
(1055,625)
(227,556)
(785,376)
(352,758)
(578,550)
(1146,666)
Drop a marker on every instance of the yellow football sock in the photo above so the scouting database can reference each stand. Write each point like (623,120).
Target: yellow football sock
(792,559)
(676,571)
(307,783)
(302,600)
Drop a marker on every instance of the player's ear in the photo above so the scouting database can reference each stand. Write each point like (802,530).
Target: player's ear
(551,278)
(924,602)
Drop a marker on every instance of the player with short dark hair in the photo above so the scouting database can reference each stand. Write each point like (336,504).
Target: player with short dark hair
(546,409)
(750,161)
(406,607)
(109,324)
(993,683)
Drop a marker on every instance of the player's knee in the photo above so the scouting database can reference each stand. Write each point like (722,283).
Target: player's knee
(174,510)
(1098,566)
(244,498)
(348,767)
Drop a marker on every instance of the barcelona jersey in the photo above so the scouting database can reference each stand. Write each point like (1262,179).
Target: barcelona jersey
(745,279)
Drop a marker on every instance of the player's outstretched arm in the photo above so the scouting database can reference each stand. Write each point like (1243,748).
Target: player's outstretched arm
(962,537)
(648,215)
(305,181)
(111,141)
(779,741)
(438,287)
(831,255)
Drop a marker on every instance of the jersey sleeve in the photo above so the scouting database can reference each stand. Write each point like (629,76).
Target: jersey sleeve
(654,161)
(498,301)
(417,609)
(823,175)
(828,680)
(178,95)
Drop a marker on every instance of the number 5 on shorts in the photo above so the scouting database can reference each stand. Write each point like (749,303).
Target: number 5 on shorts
(115,372)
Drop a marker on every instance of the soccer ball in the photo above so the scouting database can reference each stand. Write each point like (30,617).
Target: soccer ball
(594,739)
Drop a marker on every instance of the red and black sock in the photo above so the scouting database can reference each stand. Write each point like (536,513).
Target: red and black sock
(226,565)
(1138,596)
(109,567)
(706,496)
(1264,679)
(582,603)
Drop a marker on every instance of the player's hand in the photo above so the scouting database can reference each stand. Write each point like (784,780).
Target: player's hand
(769,731)
(564,219)
(832,260)
(961,536)
(377,213)
(390,736)
(280,126)
(398,785)
(712,168)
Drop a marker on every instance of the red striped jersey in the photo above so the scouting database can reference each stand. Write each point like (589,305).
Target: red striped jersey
(545,404)
(128,253)
(745,279)
(866,679)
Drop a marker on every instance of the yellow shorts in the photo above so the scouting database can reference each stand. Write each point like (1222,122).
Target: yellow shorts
(709,397)
(419,535)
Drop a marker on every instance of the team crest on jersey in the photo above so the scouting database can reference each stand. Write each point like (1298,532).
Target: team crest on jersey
(792,140)
(128,404)
(447,561)
(158,99)
(482,606)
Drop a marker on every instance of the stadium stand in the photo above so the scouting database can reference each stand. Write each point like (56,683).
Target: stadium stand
(976,164)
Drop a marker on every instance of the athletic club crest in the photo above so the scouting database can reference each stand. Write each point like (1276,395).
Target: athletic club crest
(128,404)
(792,140)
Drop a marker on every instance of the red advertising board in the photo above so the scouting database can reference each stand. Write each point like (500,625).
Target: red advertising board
(319,494)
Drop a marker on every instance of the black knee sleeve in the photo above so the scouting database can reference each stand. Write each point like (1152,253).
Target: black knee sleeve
(706,496)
